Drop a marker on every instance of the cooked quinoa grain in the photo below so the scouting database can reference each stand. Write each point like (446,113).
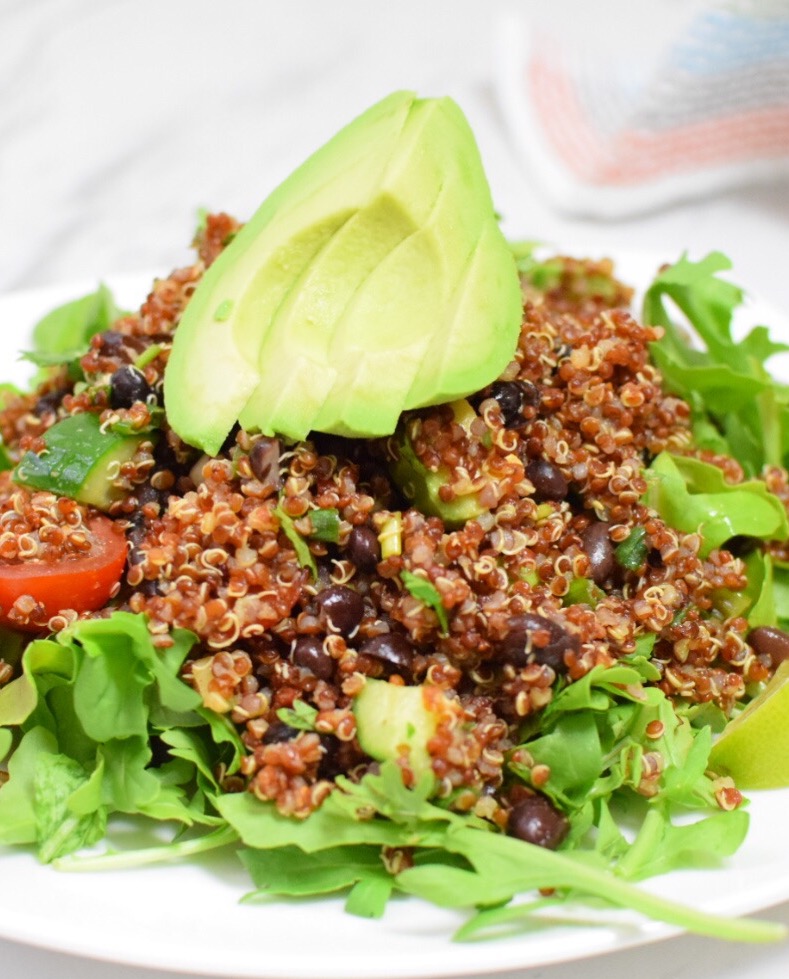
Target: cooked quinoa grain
(288,561)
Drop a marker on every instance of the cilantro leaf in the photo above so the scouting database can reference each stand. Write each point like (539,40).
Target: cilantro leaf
(303,554)
(428,594)
(632,551)
(300,716)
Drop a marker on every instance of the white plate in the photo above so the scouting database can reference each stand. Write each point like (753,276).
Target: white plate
(187,918)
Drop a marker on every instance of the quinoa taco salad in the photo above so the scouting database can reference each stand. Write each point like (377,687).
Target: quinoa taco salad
(397,557)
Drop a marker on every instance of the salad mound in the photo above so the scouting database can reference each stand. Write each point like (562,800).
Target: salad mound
(484,656)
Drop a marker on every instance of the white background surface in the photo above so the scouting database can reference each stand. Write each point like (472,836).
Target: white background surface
(119,119)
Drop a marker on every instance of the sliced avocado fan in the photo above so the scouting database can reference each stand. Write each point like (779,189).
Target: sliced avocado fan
(373,280)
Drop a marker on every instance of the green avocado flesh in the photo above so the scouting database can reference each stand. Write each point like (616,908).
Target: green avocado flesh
(373,280)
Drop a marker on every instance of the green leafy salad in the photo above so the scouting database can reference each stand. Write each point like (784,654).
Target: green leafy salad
(469,623)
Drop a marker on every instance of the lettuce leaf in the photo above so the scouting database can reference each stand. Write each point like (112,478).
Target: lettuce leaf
(88,704)
(693,497)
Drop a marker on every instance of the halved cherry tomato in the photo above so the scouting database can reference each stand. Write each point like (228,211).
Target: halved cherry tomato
(80,582)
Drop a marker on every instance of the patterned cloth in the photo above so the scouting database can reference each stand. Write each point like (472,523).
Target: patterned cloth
(612,128)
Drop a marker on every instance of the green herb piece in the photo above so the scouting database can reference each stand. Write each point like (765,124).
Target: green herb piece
(737,406)
(325,525)
(583,591)
(301,716)
(428,594)
(632,551)
(150,353)
(303,554)
(223,310)
(693,497)
(202,221)
(543,274)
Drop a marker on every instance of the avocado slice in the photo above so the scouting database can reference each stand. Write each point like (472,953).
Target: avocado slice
(374,279)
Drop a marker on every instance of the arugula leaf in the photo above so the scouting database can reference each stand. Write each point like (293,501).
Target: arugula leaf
(737,406)
(456,862)
(291,872)
(428,594)
(596,738)
(17,798)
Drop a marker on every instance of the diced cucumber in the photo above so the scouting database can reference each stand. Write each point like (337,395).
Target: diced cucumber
(421,486)
(390,718)
(80,461)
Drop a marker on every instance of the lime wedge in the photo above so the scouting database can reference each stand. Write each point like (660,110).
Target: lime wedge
(754,747)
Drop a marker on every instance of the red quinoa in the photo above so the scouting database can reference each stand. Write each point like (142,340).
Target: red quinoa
(555,449)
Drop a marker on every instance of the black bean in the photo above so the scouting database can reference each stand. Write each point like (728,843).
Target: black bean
(513,397)
(48,403)
(136,533)
(394,651)
(597,545)
(279,731)
(111,343)
(147,494)
(509,396)
(531,394)
(766,640)
(264,461)
(338,757)
(309,654)
(330,764)
(364,548)
(519,648)
(535,820)
(127,385)
(548,480)
(342,608)
(149,587)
